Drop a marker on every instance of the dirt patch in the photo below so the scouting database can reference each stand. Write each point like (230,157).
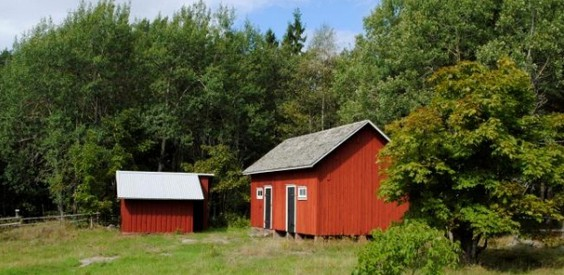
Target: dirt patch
(97,259)
(216,240)
(189,241)
(211,240)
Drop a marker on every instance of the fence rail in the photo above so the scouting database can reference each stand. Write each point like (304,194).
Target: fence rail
(17,221)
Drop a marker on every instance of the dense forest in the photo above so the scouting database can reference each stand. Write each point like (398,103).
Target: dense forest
(193,92)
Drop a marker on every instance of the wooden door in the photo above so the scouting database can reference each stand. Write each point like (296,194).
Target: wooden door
(267,207)
(291,209)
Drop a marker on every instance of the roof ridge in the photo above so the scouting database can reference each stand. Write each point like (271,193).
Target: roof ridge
(165,173)
(330,129)
(307,150)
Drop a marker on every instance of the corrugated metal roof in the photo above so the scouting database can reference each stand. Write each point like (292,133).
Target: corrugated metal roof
(307,150)
(159,185)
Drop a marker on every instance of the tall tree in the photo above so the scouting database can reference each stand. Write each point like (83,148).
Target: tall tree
(97,93)
(407,41)
(60,80)
(477,161)
(312,103)
(270,37)
(4,57)
(532,34)
(294,38)
(172,67)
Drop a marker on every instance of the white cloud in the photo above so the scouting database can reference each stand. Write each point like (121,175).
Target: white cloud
(17,17)
(246,6)
(20,16)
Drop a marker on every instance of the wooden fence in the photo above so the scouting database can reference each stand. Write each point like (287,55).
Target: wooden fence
(17,221)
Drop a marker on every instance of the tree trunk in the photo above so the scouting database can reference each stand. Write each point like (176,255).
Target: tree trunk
(162,156)
(60,207)
(323,110)
(469,244)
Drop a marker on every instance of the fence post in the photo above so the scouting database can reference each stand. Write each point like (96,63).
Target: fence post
(91,221)
(18,218)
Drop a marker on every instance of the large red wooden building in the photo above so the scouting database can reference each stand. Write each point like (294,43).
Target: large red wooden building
(322,184)
(154,202)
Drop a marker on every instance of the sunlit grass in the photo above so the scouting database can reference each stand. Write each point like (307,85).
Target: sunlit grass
(58,249)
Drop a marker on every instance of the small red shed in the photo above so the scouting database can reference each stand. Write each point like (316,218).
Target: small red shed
(154,202)
(322,184)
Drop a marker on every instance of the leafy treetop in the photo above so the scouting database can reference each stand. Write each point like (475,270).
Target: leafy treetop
(477,160)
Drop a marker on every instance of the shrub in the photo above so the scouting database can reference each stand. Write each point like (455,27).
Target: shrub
(411,246)
(237,221)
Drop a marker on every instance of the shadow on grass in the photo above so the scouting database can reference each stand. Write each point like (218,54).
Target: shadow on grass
(520,259)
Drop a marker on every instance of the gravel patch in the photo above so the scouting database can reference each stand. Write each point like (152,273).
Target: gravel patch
(189,241)
(97,259)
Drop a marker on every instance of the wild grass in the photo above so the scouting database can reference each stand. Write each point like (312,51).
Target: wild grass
(59,248)
(55,248)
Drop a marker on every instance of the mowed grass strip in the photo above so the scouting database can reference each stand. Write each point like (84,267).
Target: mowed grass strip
(55,248)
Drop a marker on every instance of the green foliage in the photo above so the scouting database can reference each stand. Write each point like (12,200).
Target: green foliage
(312,102)
(410,246)
(384,77)
(477,160)
(99,93)
(229,189)
(237,221)
(270,38)
(531,34)
(94,167)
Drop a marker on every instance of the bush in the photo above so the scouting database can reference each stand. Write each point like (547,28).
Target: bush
(237,221)
(411,246)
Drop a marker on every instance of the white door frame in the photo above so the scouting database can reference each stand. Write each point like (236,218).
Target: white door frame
(288,186)
(264,207)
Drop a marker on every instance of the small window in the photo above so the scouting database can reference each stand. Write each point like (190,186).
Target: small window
(259,193)
(302,193)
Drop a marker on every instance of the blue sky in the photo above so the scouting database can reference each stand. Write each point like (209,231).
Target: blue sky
(345,16)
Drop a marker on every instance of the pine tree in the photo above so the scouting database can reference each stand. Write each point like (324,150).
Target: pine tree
(294,38)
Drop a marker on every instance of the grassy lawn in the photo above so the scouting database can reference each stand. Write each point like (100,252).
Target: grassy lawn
(59,249)
(55,248)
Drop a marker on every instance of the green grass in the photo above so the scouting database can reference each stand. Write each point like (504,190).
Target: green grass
(58,249)
(54,248)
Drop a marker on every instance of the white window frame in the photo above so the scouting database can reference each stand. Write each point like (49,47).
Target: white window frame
(259,193)
(300,196)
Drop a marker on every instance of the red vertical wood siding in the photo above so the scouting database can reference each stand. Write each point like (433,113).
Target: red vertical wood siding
(305,209)
(349,180)
(257,205)
(205,183)
(153,216)
(341,192)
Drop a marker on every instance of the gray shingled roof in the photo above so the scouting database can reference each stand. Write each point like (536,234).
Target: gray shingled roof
(307,150)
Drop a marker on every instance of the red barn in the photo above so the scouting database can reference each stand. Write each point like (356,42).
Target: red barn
(322,184)
(154,202)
